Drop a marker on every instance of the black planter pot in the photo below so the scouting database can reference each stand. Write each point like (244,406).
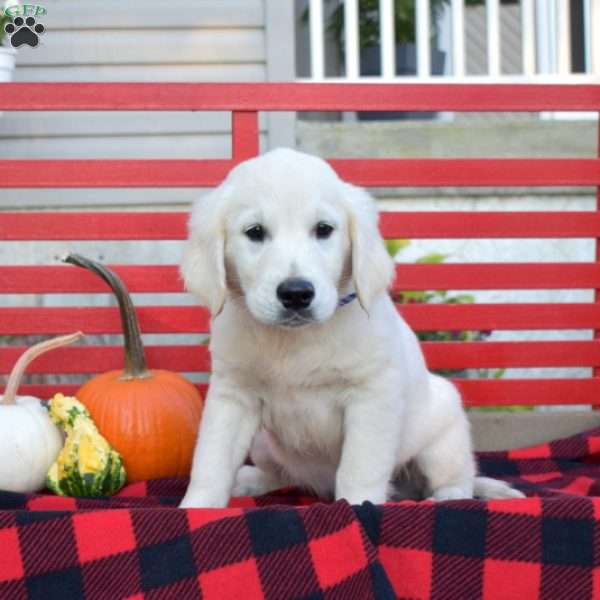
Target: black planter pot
(406,64)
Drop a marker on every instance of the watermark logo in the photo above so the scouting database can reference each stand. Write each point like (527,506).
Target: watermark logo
(25,28)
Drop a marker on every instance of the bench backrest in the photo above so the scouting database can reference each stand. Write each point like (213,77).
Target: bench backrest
(245,101)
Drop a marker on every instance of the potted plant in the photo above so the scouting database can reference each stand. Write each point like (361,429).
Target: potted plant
(7,53)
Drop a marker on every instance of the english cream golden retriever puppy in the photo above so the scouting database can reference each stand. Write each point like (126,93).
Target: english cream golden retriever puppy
(313,370)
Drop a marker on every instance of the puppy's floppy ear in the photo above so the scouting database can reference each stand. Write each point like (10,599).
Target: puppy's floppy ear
(372,267)
(203,265)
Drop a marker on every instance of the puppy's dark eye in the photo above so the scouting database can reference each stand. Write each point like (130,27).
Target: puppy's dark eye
(323,230)
(256,233)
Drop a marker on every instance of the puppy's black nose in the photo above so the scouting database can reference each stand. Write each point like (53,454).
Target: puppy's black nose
(295,293)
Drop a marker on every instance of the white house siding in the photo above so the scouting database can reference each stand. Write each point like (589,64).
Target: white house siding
(510,40)
(203,41)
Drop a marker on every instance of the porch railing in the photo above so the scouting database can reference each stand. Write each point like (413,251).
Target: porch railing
(545,32)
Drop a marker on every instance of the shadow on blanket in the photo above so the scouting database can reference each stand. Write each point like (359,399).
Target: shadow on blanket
(286,545)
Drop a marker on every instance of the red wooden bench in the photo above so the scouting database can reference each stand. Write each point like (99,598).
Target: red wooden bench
(245,101)
(534,548)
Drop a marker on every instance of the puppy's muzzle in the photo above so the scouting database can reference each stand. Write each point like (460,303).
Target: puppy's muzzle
(295,293)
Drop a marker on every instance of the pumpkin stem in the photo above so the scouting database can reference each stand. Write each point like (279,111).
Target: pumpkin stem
(135,361)
(10,393)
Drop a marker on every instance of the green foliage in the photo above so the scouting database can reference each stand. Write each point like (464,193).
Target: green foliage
(368,18)
(443,297)
(440,297)
(4,19)
(512,408)
(395,246)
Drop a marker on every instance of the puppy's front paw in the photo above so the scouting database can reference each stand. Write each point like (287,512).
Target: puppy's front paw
(452,492)
(375,494)
(251,481)
(201,498)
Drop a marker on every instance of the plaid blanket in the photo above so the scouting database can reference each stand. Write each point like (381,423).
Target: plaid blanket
(137,545)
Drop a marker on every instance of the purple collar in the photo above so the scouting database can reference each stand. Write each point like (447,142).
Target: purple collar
(347,299)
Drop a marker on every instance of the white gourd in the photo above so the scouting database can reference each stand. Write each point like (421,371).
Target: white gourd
(29,440)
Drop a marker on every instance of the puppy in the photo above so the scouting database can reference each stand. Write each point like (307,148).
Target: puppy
(313,370)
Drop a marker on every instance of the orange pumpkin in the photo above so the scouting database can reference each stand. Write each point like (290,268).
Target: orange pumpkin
(151,417)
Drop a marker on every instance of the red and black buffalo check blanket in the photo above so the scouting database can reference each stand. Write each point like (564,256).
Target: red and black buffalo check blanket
(137,545)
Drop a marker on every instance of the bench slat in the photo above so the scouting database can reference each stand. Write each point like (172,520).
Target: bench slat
(493,276)
(297,96)
(97,359)
(163,319)
(475,392)
(192,319)
(492,224)
(421,172)
(40,226)
(165,278)
(439,355)
(45,391)
(492,355)
(51,226)
(96,173)
(462,172)
(457,317)
(65,279)
(531,392)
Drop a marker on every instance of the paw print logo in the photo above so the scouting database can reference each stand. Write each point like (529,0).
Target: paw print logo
(24,31)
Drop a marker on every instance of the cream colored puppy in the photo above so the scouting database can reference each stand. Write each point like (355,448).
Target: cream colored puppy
(313,371)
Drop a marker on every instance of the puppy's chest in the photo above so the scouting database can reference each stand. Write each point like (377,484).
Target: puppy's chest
(317,367)
(302,403)
(303,389)
(307,421)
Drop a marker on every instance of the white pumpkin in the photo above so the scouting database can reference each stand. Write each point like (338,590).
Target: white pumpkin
(29,440)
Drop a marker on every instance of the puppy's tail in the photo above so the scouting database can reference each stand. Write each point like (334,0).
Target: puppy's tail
(487,488)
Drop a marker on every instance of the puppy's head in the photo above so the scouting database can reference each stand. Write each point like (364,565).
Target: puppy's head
(286,237)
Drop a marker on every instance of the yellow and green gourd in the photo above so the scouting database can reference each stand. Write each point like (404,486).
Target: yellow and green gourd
(87,465)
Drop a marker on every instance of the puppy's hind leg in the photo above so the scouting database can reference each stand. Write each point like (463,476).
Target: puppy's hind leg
(487,488)
(447,462)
